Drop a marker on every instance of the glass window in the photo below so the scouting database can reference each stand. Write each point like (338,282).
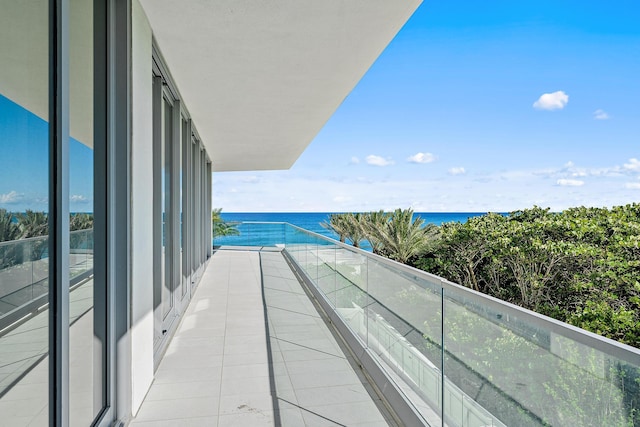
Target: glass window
(184,146)
(24,184)
(167,238)
(87,330)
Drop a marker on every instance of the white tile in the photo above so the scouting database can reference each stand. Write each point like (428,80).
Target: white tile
(178,408)
(184,390)
(182,422)
(236,386)
(247,419)
(246,402)
(246,371)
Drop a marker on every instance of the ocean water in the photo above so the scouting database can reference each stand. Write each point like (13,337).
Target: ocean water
(309,221)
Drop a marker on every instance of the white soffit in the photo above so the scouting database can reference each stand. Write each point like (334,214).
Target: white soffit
(24,61)
(261,78)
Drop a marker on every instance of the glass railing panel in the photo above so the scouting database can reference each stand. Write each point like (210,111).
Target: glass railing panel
(24,291)
(81,253)
(313,261)
(295,242)
(326,252)
(402,292)
(256,234)
(524,374)
(289,237)
(23,272)
(268,235)
(479,348)
(80,270)
(24,268)
(404,329)
(351,287)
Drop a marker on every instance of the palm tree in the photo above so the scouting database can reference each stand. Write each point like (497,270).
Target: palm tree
(353,228)
(8,229)
(348,227)
(80,221)
(337,224)
(373,221)
(221,227)
(33,224)
(401,237)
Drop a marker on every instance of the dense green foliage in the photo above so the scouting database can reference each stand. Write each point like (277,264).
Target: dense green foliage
(220,227)
(580,266)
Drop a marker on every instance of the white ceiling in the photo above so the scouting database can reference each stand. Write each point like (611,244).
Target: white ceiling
(24,61)
(261,78)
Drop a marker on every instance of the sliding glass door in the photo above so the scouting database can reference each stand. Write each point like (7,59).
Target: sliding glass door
(53,295)
(164,236)
(25,177)
(87,290)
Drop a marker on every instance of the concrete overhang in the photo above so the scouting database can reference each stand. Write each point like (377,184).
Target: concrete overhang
(261,78)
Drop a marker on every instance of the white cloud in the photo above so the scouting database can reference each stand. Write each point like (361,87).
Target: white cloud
(457,171)
(78,198)
(633,165)
(552,101)
(374,160)
(354,161)
(570,170)
(421,158)
(10,197)
(632,185)
(600,115)
(569,182)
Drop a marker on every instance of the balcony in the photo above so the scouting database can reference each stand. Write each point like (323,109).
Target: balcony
(446,355)
(290,328)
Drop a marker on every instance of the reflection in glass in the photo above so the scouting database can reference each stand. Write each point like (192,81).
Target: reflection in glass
(167,129)
(526,375)
(24,183)
(182,204)
(195,231)
(86,351)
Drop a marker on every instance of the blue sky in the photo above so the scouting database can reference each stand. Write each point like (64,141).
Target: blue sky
(477,106)
(24,163)
(474,106)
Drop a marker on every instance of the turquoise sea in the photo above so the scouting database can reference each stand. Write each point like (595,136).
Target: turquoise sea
(311,221)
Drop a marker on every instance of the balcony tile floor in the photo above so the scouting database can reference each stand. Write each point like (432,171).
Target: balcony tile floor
(252,350)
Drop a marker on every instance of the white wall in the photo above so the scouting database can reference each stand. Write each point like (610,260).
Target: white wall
(141,208)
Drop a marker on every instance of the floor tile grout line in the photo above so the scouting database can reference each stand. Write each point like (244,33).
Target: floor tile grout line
(312,412)
(294,312)
(309,348)
(272,383)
